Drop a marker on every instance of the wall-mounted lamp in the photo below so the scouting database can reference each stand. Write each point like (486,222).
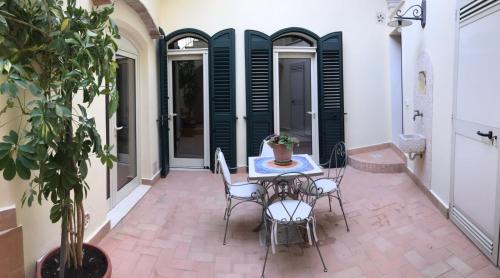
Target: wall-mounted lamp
(401,20)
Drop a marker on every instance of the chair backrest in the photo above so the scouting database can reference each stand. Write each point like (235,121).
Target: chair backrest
(293,186)
(337,162)
(222,166)
(265,149)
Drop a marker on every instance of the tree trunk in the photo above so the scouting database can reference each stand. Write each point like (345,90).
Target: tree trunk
(64,240)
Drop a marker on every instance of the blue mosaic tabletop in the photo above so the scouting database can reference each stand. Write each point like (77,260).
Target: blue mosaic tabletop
(265,165)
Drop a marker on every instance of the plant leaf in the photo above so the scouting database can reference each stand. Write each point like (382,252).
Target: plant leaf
(63,111)
(26,162)
(64,24)
(23,172)
(10,169)
(3,24)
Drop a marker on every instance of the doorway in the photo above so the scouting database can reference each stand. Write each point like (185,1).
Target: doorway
(188,101)
(122,132)
(295,97)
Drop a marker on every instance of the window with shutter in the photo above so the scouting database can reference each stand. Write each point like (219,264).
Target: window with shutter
(259,86)
(222,95)
(331,93)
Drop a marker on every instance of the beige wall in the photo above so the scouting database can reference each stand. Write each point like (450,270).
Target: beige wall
(133,29)
(438,40)
(39,234)
(365,73)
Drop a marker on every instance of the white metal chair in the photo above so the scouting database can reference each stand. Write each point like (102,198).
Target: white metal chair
(241,192)
(292,207)
(330,185)
(265,149)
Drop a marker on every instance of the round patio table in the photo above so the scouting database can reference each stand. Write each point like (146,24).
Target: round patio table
(263,168)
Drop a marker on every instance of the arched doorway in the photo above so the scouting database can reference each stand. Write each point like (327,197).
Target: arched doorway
(187,67)
(295,89)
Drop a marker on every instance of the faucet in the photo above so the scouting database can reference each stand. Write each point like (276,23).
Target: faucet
(417,113)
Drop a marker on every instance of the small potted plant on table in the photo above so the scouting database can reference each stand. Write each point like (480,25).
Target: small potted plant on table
(282,146)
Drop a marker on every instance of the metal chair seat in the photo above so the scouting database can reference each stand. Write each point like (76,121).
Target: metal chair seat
(326,185)
(246,190)
(287,209)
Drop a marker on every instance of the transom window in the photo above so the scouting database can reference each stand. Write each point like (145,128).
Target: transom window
(188,42)
(293,40)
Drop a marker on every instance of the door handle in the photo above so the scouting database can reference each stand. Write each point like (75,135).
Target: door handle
(313,115)
(172,115)
(118,127)
(489,135)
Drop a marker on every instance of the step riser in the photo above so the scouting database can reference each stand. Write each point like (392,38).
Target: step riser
(373,166)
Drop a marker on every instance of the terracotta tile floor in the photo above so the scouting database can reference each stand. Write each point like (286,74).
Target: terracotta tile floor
(176,230)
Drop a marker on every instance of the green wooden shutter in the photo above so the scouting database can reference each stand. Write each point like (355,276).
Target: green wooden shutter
(222,96)
(163,98)
(330,94)
(259,87)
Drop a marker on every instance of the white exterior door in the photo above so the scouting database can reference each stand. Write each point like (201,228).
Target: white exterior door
(475,192)
(296,97)
(188,103)
(124,176)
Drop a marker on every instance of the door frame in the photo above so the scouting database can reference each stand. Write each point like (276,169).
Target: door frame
(115,195)
(179,55)
(298,53)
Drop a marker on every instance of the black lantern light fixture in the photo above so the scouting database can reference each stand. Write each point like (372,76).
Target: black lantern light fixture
(402,20)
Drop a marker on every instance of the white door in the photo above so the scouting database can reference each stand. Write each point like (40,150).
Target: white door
(188,107)
(475,192)
(295,97)
(123,130)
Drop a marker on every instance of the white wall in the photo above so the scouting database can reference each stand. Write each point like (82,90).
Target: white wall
(395,75)
(438,40)
(365,65)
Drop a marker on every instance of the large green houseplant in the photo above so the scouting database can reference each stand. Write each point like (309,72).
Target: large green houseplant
(55,59)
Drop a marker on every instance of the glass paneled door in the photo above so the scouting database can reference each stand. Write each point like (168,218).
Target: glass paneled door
(122,130)
(188,120)
(295,98)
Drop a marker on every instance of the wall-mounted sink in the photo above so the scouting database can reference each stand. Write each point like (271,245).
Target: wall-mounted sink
(412,143)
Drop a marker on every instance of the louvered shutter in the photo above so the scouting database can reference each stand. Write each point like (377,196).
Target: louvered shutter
(222,96)
(331,93)
(163,120)
(259,87)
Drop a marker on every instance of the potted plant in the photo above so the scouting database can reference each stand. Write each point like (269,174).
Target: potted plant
(55,59)
(282,146)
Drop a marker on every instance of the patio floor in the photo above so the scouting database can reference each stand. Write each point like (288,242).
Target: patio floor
(176,230)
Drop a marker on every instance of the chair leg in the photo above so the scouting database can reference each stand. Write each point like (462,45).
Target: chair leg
(225,232)
(330,202)
(342,208)
(319,252)
(228,214)
(265,261)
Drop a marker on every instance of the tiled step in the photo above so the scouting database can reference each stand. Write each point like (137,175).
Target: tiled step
(385,158)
